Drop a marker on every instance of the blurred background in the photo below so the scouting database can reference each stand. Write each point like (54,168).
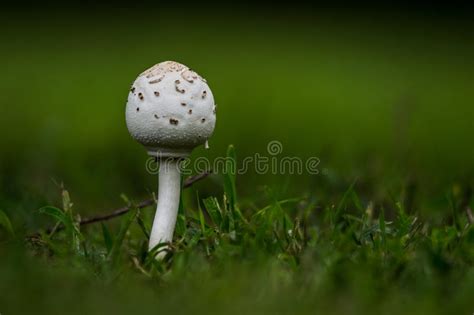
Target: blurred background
(383,95)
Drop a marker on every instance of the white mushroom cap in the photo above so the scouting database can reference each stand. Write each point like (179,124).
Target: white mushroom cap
(170,110)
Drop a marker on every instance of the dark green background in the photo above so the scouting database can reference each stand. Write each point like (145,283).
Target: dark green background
(384,97)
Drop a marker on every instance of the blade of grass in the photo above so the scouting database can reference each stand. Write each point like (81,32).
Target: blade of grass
(6,223)
(212,206)
(71,228)
(229,177)
(108,240)
(127,221)
(343,203)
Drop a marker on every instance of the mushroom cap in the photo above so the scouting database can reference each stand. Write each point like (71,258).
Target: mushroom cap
(170,110)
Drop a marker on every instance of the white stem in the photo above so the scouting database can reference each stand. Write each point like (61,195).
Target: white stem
(169,187)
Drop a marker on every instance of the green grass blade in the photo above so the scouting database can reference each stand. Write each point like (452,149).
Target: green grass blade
(202,220)
(66,219)
(382,226)
(343,203)
(230,177)
(57,214)
(212,206)
(143,227)
(119,239)
(108,240)
(181,219)
(6,223)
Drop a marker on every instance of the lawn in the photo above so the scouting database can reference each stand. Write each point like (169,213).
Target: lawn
(383,101)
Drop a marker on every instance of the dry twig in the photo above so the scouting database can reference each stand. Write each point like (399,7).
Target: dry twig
(121,211)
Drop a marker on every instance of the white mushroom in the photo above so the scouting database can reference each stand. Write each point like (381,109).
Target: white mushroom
(170,110)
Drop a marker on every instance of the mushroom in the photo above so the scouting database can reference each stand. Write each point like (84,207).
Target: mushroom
(169,130)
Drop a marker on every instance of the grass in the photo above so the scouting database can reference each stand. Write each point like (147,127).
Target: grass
(289,256)
(384,100)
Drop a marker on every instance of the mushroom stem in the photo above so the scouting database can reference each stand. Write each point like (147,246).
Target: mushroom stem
(169,188)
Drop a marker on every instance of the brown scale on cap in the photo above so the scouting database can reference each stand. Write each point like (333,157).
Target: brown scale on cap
(204,93)
(163,68)
(156,80)
(189,75)
(157,93)
(140,96)
(156,116)
(132,89)
(174,121)
(183,104)
(203,120)
(190,111)
(177,87)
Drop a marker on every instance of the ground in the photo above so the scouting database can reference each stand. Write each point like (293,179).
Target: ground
(383,101)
